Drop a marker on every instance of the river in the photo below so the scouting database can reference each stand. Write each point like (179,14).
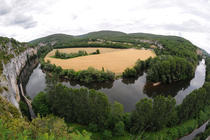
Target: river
(126,92)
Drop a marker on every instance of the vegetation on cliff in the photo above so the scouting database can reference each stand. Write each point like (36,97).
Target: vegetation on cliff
(13,126)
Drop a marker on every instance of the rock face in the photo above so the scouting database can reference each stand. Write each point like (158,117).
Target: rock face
(11,71)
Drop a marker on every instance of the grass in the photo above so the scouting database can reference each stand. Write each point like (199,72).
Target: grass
(115,60)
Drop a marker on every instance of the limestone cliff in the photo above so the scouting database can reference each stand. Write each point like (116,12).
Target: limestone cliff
(12,68)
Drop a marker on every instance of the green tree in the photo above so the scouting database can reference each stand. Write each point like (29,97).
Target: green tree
(107,135)
(119,129)
(141,117)
(163,111)
(40,105)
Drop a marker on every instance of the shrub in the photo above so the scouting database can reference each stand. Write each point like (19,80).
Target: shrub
(119,129)
(40,105)
(107,135)
(93,127)
(129,73)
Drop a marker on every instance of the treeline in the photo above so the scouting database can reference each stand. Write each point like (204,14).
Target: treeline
(73,55)
(14,127)
(84,43)
(164,68)
(90,75)
(168,69)
(162,112)
(177,46)
(83,106)
(92,109)
(43,51)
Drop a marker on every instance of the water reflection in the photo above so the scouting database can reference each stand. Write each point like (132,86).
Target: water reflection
(165,89)
(127,92)
(36,83)
(195,83)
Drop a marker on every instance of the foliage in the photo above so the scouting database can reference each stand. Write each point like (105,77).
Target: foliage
(13,126)
(157,114)
(178,130)
(9,47)
(192,104)
(93,106)
(119,129)
(163,112)
(163,68)
(71,55)
(168,69)
(115,119)
(140,122)
(129,73)
(39,104)
(43,51)
(90,75)
(24,109)
(107,135)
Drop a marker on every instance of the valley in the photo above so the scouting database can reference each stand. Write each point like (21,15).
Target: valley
(104,85)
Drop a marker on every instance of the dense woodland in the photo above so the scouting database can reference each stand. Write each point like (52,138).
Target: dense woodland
(163,68)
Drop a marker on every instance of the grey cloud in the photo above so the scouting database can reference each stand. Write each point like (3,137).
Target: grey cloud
(4,8)
(23,21)
(74,17)
(187,26)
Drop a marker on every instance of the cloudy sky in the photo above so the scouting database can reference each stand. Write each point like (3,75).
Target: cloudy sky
(26,20)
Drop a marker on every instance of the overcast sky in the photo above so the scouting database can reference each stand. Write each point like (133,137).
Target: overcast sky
(26,20)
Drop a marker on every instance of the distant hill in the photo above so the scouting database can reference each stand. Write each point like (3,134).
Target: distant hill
(106,35)
(103,34)
(53,38)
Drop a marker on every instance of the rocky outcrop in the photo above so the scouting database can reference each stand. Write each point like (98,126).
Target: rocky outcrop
(11,71)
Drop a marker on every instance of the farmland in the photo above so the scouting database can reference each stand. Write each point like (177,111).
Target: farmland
(115,60)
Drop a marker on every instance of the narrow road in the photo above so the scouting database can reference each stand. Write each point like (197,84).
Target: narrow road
(28,102)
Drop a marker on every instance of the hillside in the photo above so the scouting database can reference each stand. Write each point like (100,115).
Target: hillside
(55,38)
(172,45)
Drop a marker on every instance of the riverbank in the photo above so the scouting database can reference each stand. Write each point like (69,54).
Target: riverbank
(127,92)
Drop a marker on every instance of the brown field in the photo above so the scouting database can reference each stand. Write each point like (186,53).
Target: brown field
(115,60)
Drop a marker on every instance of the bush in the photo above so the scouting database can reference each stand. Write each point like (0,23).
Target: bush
(93,127)
(24,109)
(107,135)
(40,105)
(71,55)
(119,129)
(130,73)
